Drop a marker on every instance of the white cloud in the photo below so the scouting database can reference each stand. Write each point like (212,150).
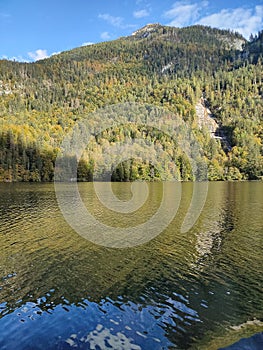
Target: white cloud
(87,43)
(38,54)
(105,35)
(35,56)
(244,21)
(115,21)
(141,13)
(55,53)
(184,13)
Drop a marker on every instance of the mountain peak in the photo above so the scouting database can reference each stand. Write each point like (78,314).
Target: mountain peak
(192,34)
(147,29)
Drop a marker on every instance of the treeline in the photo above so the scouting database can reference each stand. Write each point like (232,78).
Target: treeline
(24,160)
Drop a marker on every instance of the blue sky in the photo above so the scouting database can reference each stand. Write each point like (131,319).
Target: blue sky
(34,29)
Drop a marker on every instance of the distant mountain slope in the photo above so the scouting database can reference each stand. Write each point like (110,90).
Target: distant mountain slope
(164,66)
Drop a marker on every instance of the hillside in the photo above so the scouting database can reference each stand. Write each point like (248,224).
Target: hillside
(173,68)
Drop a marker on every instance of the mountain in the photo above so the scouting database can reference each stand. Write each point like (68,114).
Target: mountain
(174,68)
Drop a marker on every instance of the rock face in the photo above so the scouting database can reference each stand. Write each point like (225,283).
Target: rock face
(236,43)
(205,118)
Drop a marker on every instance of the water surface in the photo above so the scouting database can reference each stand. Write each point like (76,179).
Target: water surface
(197,290)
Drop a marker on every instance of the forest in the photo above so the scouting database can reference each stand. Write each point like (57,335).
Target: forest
(167,67)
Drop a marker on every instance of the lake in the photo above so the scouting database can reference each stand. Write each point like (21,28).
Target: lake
(200,289)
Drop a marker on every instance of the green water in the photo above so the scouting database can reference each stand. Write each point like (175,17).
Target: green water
(196,290)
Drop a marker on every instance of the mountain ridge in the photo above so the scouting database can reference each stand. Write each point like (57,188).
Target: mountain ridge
(156,30)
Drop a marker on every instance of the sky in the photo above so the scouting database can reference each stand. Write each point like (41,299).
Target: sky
(34,29)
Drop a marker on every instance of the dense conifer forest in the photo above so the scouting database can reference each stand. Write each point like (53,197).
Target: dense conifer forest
(163,66)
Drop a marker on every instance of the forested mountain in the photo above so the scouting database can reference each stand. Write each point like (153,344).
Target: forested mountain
(163,66)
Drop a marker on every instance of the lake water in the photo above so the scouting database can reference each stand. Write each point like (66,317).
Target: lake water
(196,290)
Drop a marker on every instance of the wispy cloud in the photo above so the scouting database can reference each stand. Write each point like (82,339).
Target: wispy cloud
(184,13)
(141,13)
(244,21)
(38,54)
(143,3)
(105,36)
(115,21)
(240,19)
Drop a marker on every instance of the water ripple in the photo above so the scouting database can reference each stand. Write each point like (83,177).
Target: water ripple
(59,291)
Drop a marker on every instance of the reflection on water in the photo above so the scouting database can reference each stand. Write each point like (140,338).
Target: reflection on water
(59,291)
